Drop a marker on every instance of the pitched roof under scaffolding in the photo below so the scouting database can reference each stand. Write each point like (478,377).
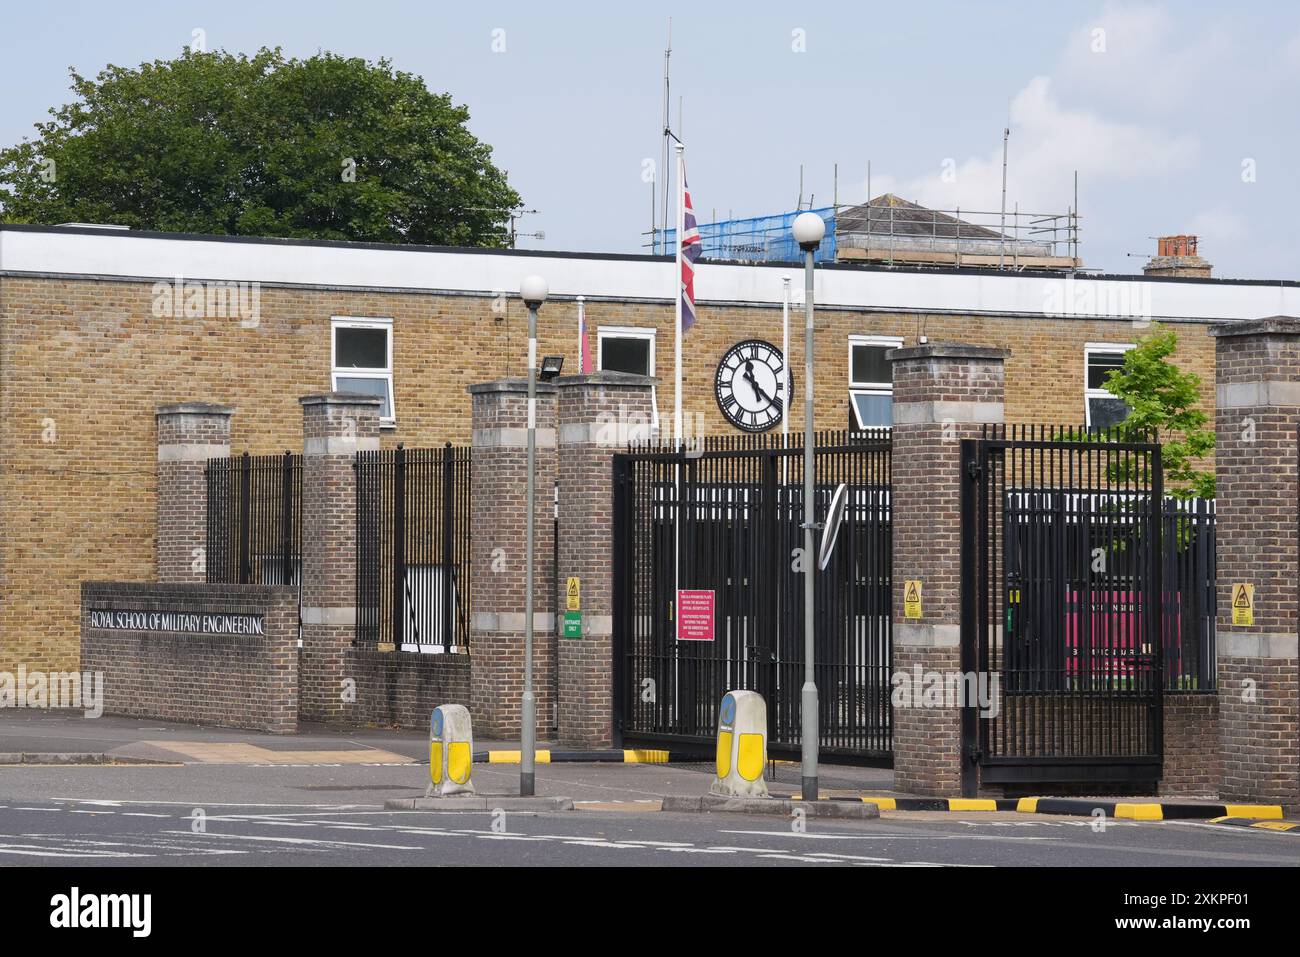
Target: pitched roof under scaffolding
(891,229)
(890,214)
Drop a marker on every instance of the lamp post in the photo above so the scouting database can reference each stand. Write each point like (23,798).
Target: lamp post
(808,229)
(533,291)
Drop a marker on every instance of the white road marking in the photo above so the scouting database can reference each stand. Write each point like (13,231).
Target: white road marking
(305,841)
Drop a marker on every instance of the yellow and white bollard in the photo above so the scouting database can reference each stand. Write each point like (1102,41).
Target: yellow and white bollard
(451,751)
(742,746)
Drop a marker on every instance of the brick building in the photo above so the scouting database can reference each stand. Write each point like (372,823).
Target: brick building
(99,328)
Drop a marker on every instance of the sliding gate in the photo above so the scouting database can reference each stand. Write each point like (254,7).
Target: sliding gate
(1062,606)
(734,514)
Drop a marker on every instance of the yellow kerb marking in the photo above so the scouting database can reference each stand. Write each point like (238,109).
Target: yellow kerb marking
(645,757)
(515,757)
(1264,812)
(1027,805)
(884,804)
(972,804)
(1140,812)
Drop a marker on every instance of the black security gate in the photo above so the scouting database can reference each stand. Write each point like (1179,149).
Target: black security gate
(413,526)
(734,513)
(254,509)
(1062,607)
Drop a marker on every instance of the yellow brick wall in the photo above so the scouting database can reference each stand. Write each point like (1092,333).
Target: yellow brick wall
(84,364)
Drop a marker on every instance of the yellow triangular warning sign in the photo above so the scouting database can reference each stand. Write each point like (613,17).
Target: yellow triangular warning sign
(1240,599)
(913,593)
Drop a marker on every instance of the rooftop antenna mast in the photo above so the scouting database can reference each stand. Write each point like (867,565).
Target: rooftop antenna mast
(667,132)
(1002,231)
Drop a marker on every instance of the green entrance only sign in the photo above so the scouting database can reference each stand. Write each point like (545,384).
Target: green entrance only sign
(572,624)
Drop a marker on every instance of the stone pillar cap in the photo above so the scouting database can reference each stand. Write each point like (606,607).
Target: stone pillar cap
(1272,325)
(508,385)
(947,350)
(606,378)
(341,398)
(195,408)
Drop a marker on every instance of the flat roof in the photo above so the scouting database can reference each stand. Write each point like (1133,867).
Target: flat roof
(90,252)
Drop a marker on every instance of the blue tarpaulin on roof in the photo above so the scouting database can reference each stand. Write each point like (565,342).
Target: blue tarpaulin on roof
(760,239)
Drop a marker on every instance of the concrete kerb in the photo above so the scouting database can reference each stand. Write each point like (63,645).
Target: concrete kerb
(63,758)
(480,802)
(1073,807)
(709,804)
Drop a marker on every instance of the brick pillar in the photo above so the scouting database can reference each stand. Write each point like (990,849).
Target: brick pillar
(335,426)
(499,419)
(943,393)
(1257,367)
(189,433)
(598,414)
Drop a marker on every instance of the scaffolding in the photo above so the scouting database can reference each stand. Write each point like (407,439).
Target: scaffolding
(892,230)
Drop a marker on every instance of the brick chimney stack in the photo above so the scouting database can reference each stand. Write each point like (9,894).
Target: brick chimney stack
(1176,256)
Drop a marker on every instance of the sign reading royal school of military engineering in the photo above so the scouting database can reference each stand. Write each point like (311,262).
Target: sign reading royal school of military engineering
(182,623)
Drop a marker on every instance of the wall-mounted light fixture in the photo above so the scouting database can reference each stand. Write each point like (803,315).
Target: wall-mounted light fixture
(551,366)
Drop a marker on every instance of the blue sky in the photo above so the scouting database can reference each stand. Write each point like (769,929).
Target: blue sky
(1180,117)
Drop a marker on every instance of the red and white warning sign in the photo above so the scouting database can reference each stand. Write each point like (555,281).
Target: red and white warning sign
(695,615)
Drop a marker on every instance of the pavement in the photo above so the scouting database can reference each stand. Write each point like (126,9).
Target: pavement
(218,797)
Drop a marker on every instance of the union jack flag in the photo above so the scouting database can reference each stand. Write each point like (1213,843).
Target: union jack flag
(691,248)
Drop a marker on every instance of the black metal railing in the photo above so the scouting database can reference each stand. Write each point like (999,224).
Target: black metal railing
(732,509)
(1191,599)
(413,534)
(254,534)
(1064,601)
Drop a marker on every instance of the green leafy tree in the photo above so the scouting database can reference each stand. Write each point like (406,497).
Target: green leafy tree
(1162,401)
(328,147)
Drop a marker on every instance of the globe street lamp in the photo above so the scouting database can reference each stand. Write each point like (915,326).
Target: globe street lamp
(533,291)
(808,229)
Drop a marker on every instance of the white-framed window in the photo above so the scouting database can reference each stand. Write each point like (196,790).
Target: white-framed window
(361,360)
(871,381)
(628,349)
(1101,409)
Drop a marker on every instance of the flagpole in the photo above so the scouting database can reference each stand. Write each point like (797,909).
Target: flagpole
(677,383)
(582,336)
(785,372)
(785,359)
(677,344)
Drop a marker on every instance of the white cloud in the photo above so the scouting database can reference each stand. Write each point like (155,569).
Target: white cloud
(1134,58)
(1048,143)
(1220,224)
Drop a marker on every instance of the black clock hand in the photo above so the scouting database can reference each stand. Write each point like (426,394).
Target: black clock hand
(758,389)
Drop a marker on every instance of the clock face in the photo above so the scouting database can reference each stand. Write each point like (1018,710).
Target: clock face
(750,385)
